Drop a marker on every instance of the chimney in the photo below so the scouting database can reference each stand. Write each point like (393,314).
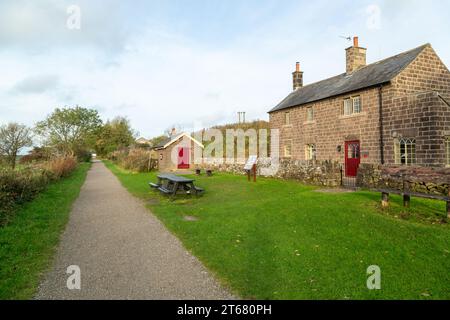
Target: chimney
(173,132)
(356,56)
(297,77)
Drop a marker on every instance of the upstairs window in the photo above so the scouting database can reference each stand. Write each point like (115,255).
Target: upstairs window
(310,152)
(288,148)
(352,106)
(348,107)
(309,114)
(356,104)
(447,150)
(405,151)
(287,118)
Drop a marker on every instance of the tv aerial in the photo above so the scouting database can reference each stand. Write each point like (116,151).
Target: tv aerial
(349,38)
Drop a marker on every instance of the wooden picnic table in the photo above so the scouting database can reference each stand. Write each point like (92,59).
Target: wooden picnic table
(170,183)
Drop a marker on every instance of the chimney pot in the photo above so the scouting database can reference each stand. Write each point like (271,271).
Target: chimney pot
(297,77)
(355,41)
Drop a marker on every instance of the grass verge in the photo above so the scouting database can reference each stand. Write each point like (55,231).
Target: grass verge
(29,241)
(278,239)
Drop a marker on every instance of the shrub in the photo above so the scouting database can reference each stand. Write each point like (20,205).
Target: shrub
(20,186)
(36,155)
(60,167)
(17,187)
(136,159)
(83,155)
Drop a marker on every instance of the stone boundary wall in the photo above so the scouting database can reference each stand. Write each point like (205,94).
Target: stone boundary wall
(417,179)
(324,173)
(328,173)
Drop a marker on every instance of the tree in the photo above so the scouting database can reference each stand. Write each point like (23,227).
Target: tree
(70,130)
(114,135)
(158,140)
(13,138)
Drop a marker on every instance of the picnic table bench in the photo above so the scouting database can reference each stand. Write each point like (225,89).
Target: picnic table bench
(171,184)
(407,197)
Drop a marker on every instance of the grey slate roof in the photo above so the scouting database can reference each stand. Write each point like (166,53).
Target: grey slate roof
(371,75)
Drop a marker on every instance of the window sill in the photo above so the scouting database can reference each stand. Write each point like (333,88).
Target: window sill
(353,115)
(310,122)
(287,126)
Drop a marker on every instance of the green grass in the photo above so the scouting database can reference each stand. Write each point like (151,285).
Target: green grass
(28,242)
(279,239)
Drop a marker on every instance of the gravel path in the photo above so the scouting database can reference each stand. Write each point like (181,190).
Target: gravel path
(123,251)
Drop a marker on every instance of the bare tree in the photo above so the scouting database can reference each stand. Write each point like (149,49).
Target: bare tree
(13,138)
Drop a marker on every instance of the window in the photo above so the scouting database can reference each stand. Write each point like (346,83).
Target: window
(354,151)
(447,150)
(288,148)
(352,106)
(405,151)
(287,118)
(347,107)
(310,152)
(309,114)
(356,104)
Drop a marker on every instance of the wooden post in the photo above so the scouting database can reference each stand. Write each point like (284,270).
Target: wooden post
(406,200)
(448,209)
(384,199)
(448,205)
(254,173)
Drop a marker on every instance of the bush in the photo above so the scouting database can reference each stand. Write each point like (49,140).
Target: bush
(136,159)
(38,154)
(17,187)
(83,155)
(20,186)
(60,167)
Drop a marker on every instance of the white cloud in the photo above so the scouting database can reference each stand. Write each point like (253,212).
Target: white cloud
(158,77)
(373,12)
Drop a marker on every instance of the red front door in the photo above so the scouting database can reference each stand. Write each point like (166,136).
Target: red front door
(183,158)
(352,158)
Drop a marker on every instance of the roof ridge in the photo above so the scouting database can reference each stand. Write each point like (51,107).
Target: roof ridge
(375,73)
(396,55)
(367,65)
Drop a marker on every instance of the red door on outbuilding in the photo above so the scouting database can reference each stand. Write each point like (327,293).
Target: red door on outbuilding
(352,158)
(183,157)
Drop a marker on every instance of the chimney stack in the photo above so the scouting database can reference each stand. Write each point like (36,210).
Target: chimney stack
(355,56)
(297,77)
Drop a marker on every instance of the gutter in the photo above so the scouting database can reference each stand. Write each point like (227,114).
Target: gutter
(380,114)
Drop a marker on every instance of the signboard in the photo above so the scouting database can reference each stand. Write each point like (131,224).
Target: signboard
(250,162)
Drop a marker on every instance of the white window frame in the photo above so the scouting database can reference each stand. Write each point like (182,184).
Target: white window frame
(348,108)
(356,106)
(310,152)
(287,118)
(352,105)
(288,149)
(405,151)
(310,114)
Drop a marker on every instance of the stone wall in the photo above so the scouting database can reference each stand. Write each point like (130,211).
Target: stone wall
(416,179)
(324,173)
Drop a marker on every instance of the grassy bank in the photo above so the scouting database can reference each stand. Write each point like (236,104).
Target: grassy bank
(28,242)
(282,240)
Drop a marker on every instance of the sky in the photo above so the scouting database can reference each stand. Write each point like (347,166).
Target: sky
(194,63)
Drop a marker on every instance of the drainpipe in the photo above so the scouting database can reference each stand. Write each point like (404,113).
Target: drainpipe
(380,113)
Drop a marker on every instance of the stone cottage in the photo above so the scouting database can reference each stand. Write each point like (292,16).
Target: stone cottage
(394,112)
(177,152)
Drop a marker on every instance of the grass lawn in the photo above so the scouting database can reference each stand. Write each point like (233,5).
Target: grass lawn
(279,239)
(28,242)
